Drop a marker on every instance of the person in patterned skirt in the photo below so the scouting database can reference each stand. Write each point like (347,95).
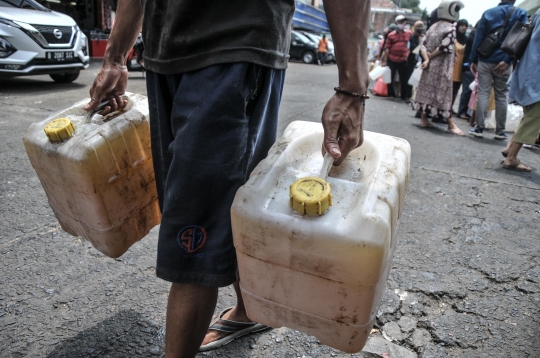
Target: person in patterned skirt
(434,94)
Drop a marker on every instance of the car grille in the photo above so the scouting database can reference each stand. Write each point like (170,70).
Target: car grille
(48,34)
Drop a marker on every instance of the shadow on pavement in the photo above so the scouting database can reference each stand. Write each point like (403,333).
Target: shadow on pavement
(532,176)
(126,334)
(489,140)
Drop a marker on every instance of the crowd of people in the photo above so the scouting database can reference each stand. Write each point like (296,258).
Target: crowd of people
(454,57)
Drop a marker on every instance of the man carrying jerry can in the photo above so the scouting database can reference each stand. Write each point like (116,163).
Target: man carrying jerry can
(215,74)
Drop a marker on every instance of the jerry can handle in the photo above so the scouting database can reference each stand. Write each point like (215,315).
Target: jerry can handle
(327,165)
(88,116)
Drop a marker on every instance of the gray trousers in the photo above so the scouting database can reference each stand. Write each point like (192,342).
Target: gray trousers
(486,80)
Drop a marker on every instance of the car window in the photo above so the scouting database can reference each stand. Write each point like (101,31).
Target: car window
(23,4)
(301,37)
(312,37)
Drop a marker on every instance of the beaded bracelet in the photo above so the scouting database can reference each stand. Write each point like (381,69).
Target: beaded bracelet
(352,94)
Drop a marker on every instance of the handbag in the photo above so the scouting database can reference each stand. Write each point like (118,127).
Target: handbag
(518,38)
(494,38)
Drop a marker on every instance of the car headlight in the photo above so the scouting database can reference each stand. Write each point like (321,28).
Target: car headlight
(8,23)
(6,48)
(28,29)
(84,47)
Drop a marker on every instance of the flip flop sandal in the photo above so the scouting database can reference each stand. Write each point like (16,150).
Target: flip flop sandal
(516,167)
(233,329)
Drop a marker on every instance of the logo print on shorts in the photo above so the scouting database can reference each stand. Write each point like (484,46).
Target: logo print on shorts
(192,238)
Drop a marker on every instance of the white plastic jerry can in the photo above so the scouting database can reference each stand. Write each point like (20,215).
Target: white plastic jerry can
(97,173)
(323,275)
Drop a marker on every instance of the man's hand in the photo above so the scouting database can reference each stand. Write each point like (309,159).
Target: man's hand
(110,84)
(111,81)
(343,122)
(474,68)
(343,116)
(500,69)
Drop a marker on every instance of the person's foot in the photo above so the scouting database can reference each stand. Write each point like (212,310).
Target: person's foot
(455,130)
(464,116)
(425,124)
(516,165)
(477,132)
(232,315)
(500,135)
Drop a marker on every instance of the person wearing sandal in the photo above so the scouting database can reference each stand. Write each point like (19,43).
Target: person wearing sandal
(525,90)
(215,76)
(434,93)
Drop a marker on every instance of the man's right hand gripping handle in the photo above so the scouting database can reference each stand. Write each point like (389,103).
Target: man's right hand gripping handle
(111,82)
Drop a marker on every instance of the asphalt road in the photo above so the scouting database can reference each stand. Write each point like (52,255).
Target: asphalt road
(465,280)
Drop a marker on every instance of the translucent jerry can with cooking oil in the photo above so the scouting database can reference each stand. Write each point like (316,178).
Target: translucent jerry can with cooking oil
(314,253)
(97,173)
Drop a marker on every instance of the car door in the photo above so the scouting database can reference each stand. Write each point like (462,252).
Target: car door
(297,46)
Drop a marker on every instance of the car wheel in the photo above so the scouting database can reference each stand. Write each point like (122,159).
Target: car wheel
(65,77)
(308,57)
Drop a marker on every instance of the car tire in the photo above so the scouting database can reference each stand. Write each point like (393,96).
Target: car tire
(308,57)
(65,77)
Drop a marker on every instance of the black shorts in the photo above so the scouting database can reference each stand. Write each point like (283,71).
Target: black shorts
(209,129)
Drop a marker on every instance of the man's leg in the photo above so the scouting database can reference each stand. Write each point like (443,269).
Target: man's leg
(403,78)
(501,99)
(189,312)
(485,82)
(525,134)
(467,78)
(238,314)
(393,69)
(204,151)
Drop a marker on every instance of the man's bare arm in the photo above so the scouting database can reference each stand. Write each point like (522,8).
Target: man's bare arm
(112,79)
(343,116)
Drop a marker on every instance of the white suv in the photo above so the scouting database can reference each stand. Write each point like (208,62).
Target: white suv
(35,40)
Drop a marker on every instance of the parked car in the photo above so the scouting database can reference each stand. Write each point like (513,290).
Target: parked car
(302,48)
(330,55)
(35,40)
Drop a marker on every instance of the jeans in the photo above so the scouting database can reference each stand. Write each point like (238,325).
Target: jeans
(321,57)
(467,79)
(401,68)
(486,80)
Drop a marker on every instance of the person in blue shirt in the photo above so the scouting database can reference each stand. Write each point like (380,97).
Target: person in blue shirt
(525,90)
(494,71)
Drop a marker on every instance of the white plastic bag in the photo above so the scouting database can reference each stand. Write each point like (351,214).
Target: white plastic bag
(376,72)
(414,80)
(513,117)
(490,121)
(473,85)
(387,75)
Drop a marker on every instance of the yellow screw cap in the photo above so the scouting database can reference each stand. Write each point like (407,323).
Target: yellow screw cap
(311,196)
(59,129)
